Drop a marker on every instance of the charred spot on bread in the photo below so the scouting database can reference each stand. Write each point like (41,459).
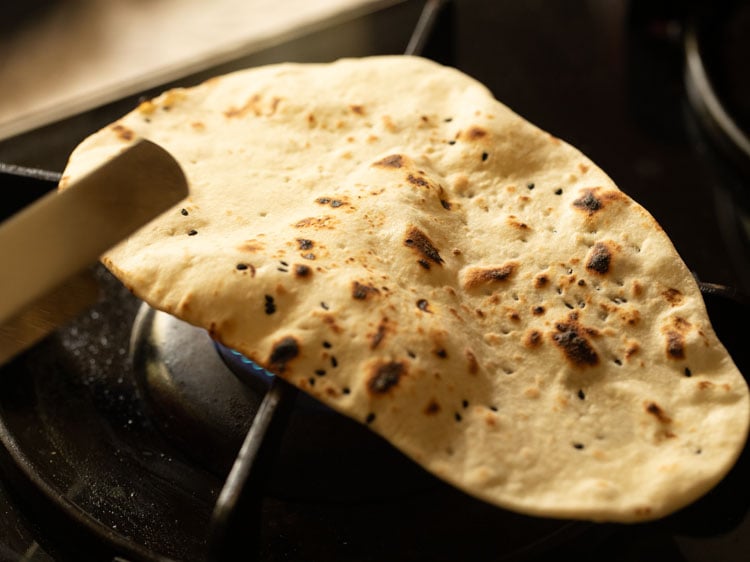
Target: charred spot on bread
(361,292)
(599,259)
(385,376)
(479,276)
(570,337)
(392,161)
(423,246)
(283,351)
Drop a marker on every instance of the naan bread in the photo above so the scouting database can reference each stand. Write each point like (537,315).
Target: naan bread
(395,242)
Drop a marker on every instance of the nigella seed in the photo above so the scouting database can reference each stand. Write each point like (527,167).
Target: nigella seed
(370,418)
(618,362)
(457,416)
(334,361)
(530,185)
(311,381)
(192,232)
(558,191)
(493,408)
(270,305)
(241,266)
(448,119)
(688,372)
(320,372)
(485,156)
(327,344)
(346,390)
(324,306)
(581,395)
(285,264)
(451,142)
(184,212)
(578,446)
(465,403)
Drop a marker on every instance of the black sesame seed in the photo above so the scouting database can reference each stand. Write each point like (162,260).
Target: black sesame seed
(451,142)
(465,403)
(581,395)
(285,264)
(530,185)
(241,266)
(485,156)
(345,390)
(311,381)
(282,270)
(457,416)
(324,306)
(558,191)
(184,212)
(327,345)
(448,119)
(493,408)
(320,372)
(334,362)
(688,372)
(370,418)
(578,446)
(411,354)
(192,232)
(270,305)
(618,362)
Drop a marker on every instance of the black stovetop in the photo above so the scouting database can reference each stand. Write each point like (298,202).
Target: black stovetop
(606,77)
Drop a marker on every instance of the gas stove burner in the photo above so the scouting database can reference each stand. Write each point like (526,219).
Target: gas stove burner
(204,396)
(196,402)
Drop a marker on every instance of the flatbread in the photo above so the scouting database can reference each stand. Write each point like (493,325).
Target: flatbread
(395,242)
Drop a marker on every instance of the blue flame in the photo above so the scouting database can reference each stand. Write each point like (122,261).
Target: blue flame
(251,364)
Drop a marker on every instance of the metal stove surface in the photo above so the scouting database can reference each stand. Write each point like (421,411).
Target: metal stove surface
(606,77)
